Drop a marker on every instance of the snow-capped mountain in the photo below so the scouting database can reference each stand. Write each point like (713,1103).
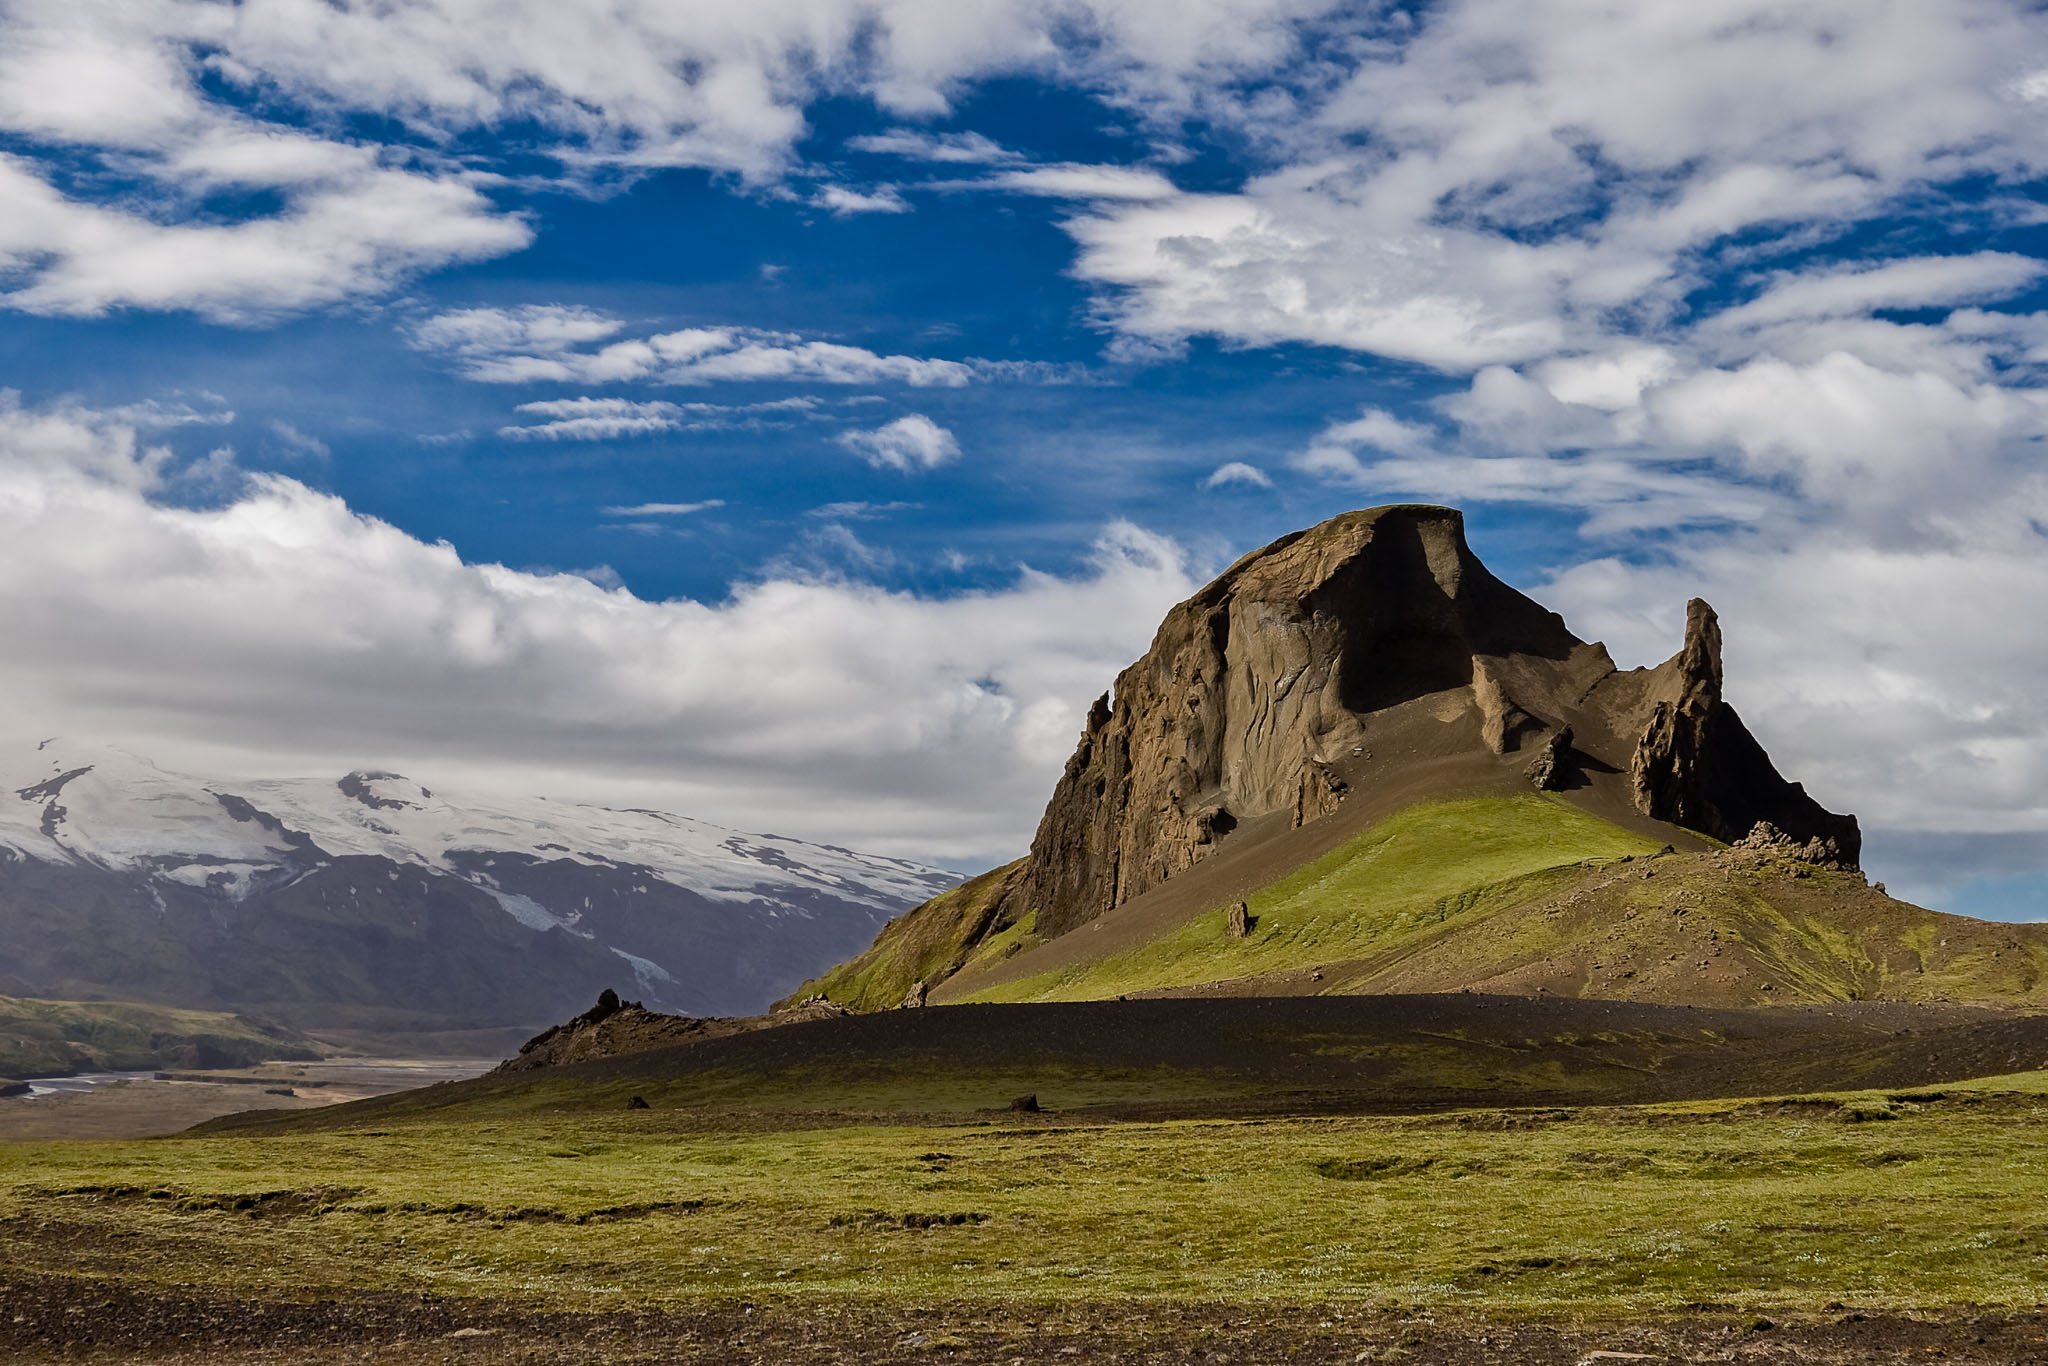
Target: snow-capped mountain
(370,899)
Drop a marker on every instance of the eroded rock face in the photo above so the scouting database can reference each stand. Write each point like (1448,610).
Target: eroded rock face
(1698,766)
(1252,696)
(1261,693)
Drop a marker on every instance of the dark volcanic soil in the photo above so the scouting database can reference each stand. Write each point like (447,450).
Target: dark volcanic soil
(1151,1059)
(59,1319)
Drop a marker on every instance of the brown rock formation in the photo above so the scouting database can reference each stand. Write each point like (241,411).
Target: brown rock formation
(1698,766)
(1262,693)
(613,1028)
(1252,696)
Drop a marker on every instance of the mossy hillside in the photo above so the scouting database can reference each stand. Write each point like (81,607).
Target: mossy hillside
(1430,865)
(1852,1199)
(1728,928)
(55,1038)
(924,944)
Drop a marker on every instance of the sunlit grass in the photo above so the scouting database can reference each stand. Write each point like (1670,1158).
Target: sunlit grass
(1922,1203)
(1408,876)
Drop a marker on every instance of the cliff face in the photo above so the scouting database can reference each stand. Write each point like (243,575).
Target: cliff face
(1261,695)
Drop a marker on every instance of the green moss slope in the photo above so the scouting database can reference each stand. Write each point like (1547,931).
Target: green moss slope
(1433,864)
(925,944)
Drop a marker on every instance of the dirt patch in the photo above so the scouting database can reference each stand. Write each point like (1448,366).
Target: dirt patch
(48,1319)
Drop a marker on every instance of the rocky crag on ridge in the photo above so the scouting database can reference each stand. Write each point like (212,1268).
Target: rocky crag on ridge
(1367,657)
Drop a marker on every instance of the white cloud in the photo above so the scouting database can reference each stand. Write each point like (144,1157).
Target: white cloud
(298,443)
(1072,181)
(1237,472)
(284,630)
(908,444)
(858,511)
(664,509)
(1919,282)
(179,97)
(843,201)
(610,419)
(968,148)
(1497,182)
(550,344)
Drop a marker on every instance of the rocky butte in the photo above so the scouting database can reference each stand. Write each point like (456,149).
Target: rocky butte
(1473,789)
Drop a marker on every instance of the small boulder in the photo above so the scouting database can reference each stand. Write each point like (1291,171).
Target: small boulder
(1026,1104)
(1239,922)
(638,1103)
(1552,769)
(14,1088)
(914,997)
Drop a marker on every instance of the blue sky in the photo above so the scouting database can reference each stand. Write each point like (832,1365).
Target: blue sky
(795,415)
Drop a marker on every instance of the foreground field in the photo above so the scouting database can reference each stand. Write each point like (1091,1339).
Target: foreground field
(661,1235)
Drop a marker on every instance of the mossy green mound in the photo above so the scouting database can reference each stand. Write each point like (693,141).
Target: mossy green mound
(1431,865)
(56,1038)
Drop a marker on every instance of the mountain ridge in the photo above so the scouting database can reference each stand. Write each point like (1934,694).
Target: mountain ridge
(370,901)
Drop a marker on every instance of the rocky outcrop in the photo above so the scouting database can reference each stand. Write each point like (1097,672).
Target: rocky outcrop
(1255,693)
(1551,770)
(1697,765)
(1261,692)
(1372,657)
(613,1027)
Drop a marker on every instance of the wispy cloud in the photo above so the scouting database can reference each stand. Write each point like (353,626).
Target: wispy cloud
(664,509)
(611,419)
(1237,472)
(552,344)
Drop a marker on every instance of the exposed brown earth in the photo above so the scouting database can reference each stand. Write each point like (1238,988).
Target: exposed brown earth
(50,1319)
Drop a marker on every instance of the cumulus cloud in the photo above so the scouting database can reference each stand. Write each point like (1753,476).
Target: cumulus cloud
(908,444)
(554,343)
(285,629)
(1495,182)
(166,102)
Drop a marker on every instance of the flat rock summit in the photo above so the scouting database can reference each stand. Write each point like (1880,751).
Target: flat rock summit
(1264,694)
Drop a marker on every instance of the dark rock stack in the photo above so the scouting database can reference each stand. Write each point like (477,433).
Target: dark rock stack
(1698,766)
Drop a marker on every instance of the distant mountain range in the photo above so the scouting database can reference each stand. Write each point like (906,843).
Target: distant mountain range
(370,902)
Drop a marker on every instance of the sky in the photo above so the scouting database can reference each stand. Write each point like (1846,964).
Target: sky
(794,414)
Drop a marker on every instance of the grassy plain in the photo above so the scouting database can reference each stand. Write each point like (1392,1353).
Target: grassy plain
(1921,1201)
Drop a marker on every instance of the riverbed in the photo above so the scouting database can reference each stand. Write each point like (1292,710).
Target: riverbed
(115,1105)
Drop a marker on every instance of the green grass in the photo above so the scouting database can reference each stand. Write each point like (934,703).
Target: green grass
(1409,876)
(1628,1210)
(926,943)
(42,1038)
